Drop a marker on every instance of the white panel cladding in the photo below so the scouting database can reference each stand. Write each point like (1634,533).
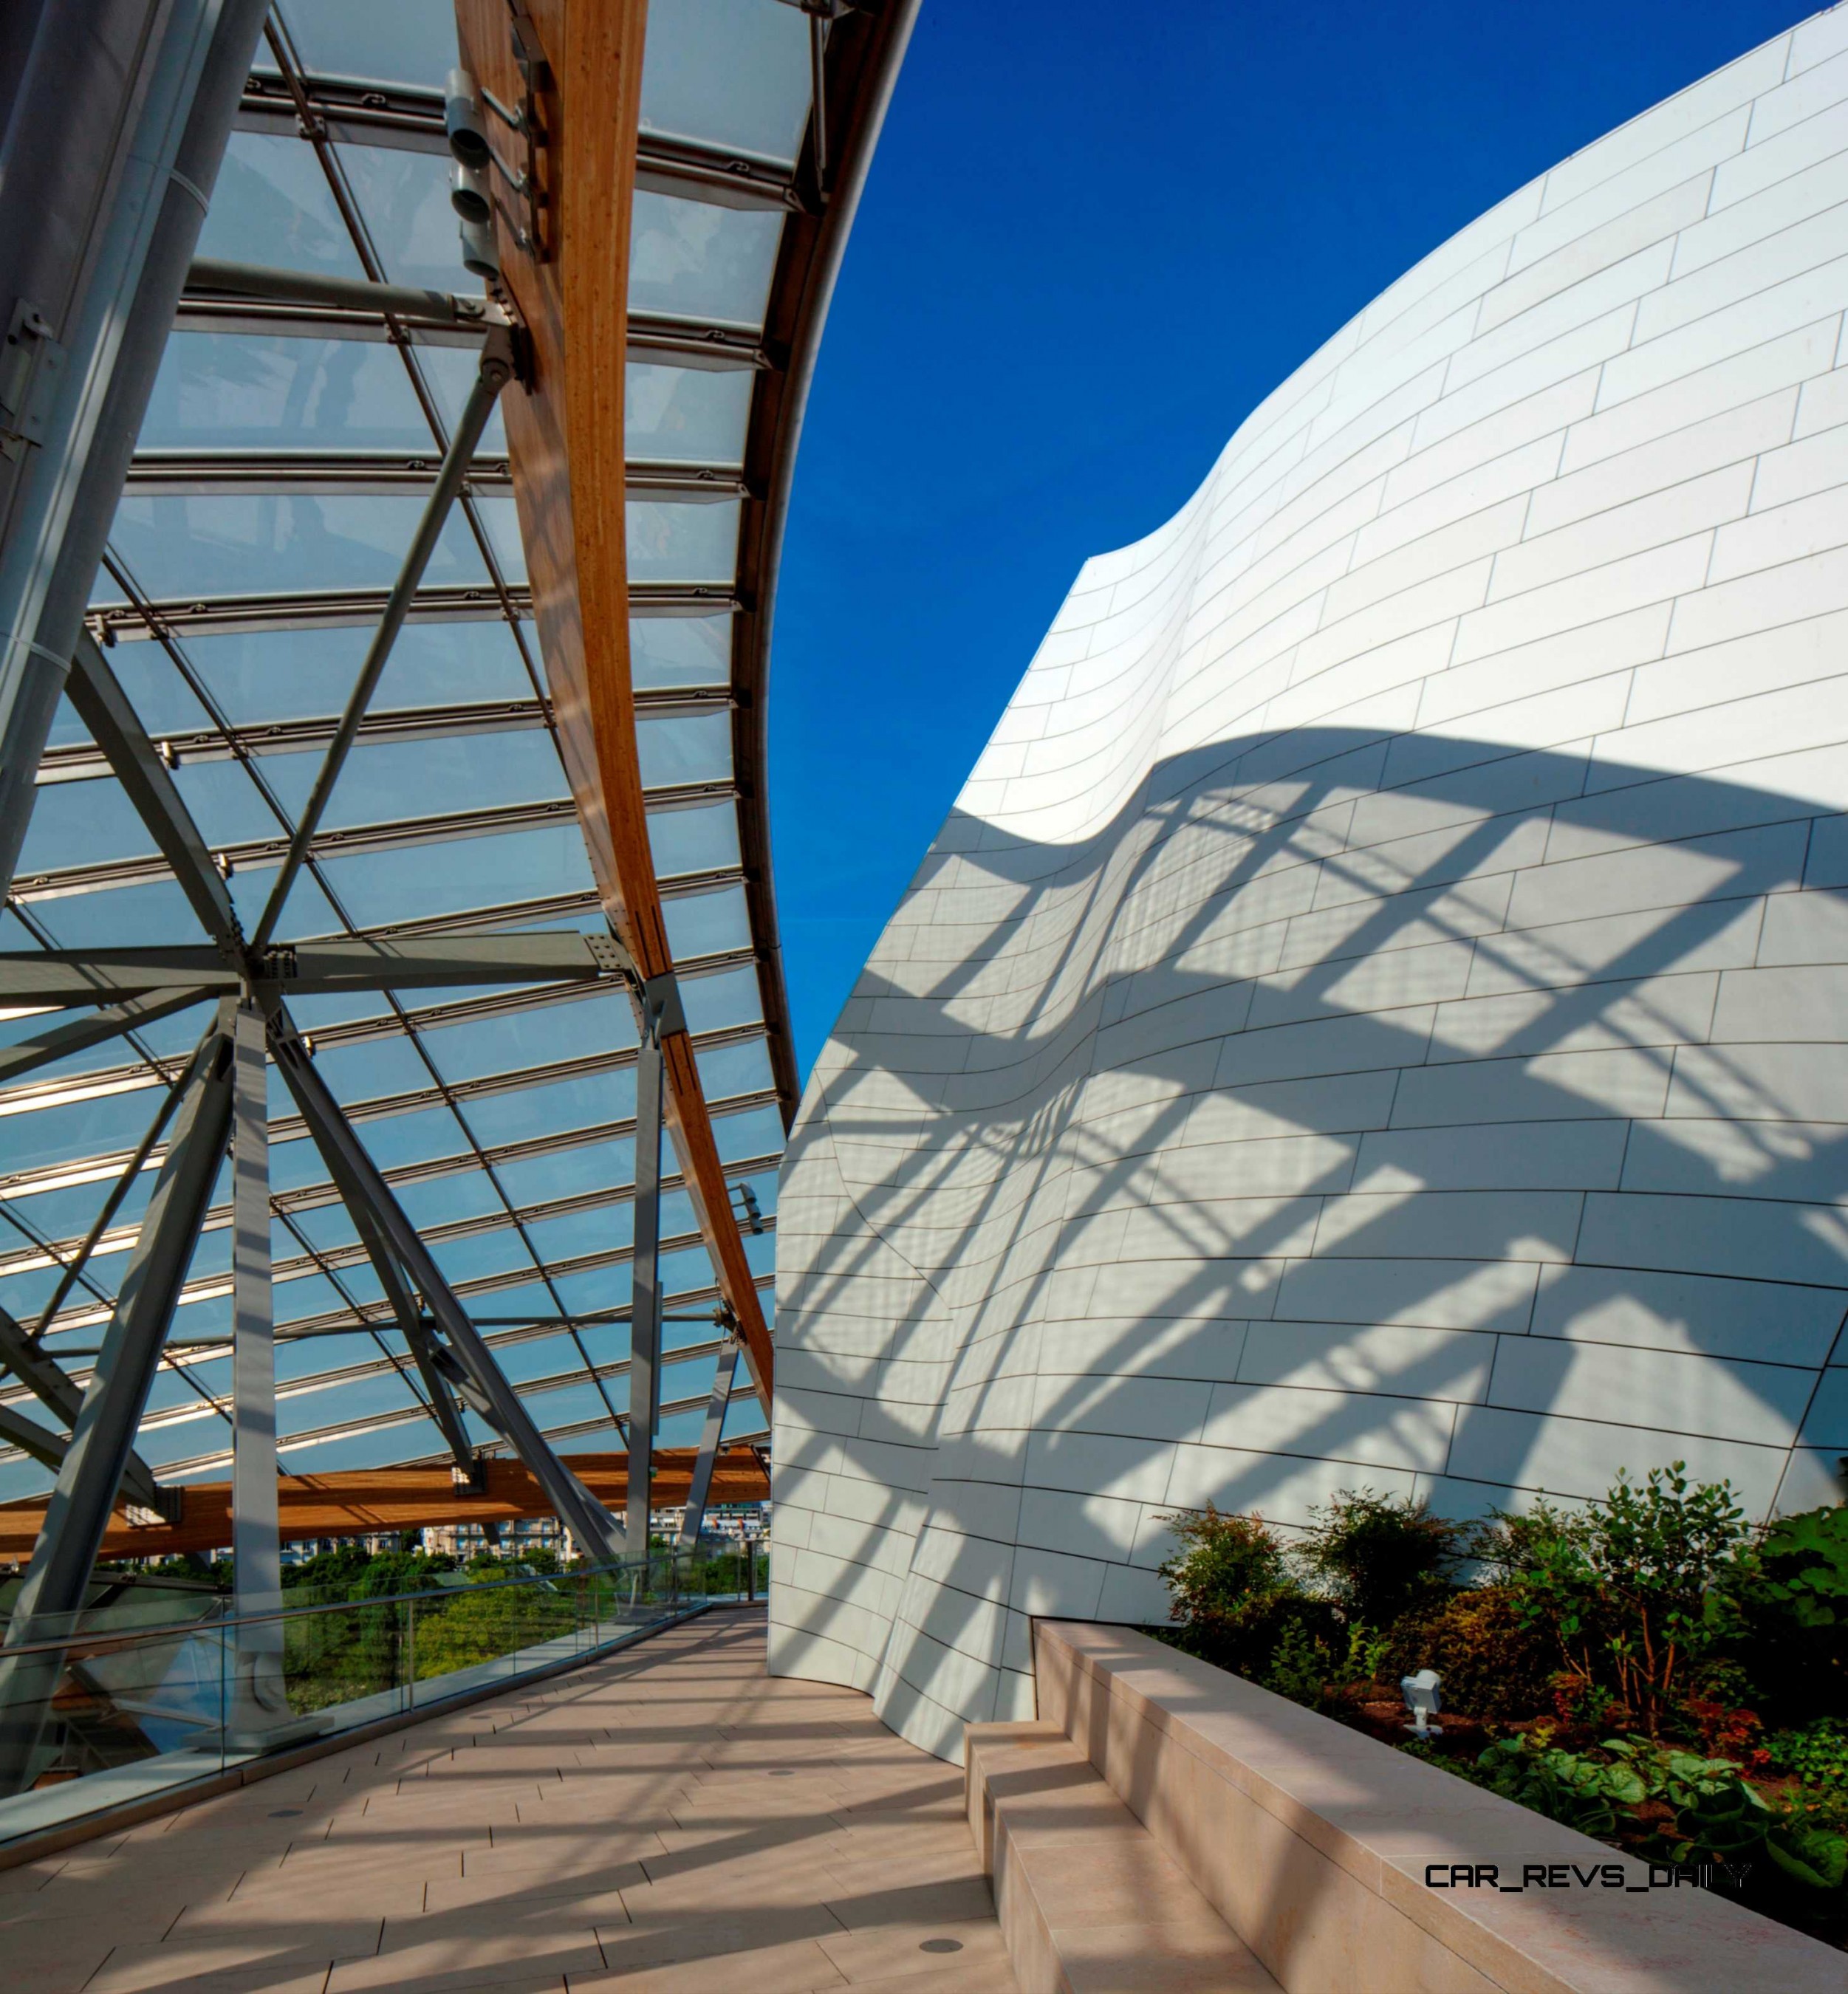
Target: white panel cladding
(1378,1014)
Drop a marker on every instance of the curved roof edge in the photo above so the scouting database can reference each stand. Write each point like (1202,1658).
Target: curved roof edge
(866,49)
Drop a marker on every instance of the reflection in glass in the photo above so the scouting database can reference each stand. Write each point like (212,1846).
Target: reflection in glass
(727,73)
(690,260)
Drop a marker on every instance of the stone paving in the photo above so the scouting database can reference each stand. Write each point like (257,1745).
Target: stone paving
(673,1818)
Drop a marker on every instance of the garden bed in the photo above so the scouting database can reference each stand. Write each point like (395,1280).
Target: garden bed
(1648,1670)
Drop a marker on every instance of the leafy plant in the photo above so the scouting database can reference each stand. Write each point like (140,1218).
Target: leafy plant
(1300,1665)
(1570,1787)
(1809,1852)
(1507,1544)
(1817,1753)
(1379,1555)
(1494,1664)
(1582,1703)
(1727,1731)
(1803,1567)
(1231,1585)
(1630,1588)
(1367,1651)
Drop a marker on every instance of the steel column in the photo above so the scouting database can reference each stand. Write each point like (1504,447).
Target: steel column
(595,1530)
(645,1283)
(716,1408)
(110,226)
(258,1699)
(58,1576)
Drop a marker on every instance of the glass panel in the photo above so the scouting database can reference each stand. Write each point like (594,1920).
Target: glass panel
(680,650)
(449,374)
(164,702)
(482,1254)
(410,41)
(693,841)
(759,1133)
(729,73)
(271,205)
(421,881)
(500,521)
(280,545)
(321,1353)
(692,261)
(226,804)
(390,780)
(542,1357)
(669,542)
(414,1138)
(403,202)
(359,1398)
(236,391)
(601,1231)
(591,1026)
(708,924)
(686,415)
(274,674)
(443,1201)
(327,1227)
(568,1172)
(309,911)
(82,823)
(683,747)
(531,1111)
(372,1069)
(732,998)
(724,1070)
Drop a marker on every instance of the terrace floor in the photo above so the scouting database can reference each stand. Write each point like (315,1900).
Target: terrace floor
(671,1818)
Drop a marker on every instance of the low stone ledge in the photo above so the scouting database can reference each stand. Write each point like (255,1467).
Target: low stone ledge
(1345,1865)
(1088,1902)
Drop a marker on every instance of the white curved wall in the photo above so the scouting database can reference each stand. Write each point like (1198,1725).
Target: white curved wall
(1376,1014)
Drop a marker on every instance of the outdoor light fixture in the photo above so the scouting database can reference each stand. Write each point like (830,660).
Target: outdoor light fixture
(1421,1694)
(748,1214)
(464,122)
(470,195)
(481,257)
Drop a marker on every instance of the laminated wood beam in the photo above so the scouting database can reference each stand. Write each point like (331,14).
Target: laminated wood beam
(363,1500)
(565,446)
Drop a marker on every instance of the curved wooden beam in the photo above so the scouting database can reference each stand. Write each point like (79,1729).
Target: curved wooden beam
(565,445)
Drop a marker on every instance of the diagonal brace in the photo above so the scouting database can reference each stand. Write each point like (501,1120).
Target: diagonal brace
(495,370)
(57,1578)
(595,1530)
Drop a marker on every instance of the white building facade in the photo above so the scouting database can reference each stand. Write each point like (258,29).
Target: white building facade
(1377,1015)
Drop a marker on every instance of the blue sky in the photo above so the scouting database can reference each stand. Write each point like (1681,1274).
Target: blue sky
(1095,237)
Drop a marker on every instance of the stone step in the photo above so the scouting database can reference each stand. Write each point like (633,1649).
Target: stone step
(1089,1902)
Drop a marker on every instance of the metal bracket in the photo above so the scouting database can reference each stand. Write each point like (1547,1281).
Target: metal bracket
(31,364)
(608,953)
(662,1010)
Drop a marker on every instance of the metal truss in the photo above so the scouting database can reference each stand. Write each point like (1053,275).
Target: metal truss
(126,991)
(359,609)
(321,473)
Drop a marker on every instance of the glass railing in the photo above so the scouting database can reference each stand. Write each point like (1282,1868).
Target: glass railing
(95,1713)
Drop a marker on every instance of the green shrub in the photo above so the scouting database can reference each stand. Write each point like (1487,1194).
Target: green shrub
(1378,1555)
(1231,1586)
(1639,1587)
(1495,1664)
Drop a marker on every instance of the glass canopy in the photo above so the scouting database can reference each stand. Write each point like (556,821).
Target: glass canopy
(279,478)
